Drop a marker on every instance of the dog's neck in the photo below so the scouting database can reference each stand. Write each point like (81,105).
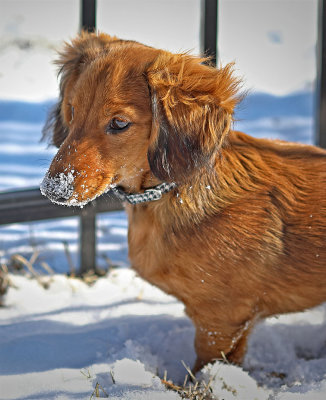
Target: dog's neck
(213,188)
(210,190)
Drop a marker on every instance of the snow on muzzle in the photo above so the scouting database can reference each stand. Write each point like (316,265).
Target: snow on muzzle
(59,188)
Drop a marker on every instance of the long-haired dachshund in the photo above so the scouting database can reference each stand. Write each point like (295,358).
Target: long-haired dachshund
(233,226)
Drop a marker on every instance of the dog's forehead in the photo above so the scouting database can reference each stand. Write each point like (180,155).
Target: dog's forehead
(121,72)
(116,77)
(114,81)
(128,62)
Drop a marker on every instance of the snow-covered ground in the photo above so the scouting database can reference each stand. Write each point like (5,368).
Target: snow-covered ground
(120,334)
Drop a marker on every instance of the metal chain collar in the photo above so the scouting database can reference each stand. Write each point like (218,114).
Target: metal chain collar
(151,194)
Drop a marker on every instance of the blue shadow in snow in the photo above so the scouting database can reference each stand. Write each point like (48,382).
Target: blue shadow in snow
(264,105)
(23,111)
(34,346)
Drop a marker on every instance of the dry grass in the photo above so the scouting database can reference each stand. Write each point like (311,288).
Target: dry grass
(4,282)
(99,392)
(20,263)
(42,272)
(92,274)
(191,389)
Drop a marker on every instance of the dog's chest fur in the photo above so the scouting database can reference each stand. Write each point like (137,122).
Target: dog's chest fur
(147,250)
(158,253)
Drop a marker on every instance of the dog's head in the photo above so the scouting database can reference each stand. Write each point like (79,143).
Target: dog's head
(133,116)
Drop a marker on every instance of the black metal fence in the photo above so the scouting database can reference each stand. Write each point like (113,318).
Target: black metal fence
(29,205)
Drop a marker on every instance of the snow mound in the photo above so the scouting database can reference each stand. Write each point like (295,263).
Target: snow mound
(117,337)
(230,382)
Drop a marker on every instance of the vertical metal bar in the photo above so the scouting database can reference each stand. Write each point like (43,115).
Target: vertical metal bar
(87,241)
(87,229)
(321,76)
(88,15)
(209,28)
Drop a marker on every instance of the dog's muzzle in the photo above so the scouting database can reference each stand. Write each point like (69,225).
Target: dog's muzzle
(59,188)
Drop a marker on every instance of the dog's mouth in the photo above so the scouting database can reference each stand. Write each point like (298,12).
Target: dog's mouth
(61,189)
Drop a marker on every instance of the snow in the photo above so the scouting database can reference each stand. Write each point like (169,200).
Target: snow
(60,188)
(19,79)
(122,333)
(232,382)
(60,185)
(51,338)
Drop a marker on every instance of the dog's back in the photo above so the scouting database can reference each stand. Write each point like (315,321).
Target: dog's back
(290,179)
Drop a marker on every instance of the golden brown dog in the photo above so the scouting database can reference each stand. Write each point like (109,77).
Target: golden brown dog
(239,232)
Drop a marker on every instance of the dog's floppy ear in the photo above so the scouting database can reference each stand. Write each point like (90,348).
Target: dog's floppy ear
(54,130)
(84,48)
(192,106)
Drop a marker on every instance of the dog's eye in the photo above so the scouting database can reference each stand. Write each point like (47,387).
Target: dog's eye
(117,125)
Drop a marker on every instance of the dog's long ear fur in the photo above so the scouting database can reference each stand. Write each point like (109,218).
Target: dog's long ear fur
(192,106)
(72,58)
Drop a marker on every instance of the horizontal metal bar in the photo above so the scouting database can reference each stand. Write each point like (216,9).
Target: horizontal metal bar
(29,205)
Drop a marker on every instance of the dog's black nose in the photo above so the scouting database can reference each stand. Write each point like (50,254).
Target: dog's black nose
(59,188)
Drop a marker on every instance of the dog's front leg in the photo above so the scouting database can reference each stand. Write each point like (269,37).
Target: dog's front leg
(221,342)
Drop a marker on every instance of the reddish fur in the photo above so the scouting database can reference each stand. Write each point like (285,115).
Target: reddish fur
(248,239)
